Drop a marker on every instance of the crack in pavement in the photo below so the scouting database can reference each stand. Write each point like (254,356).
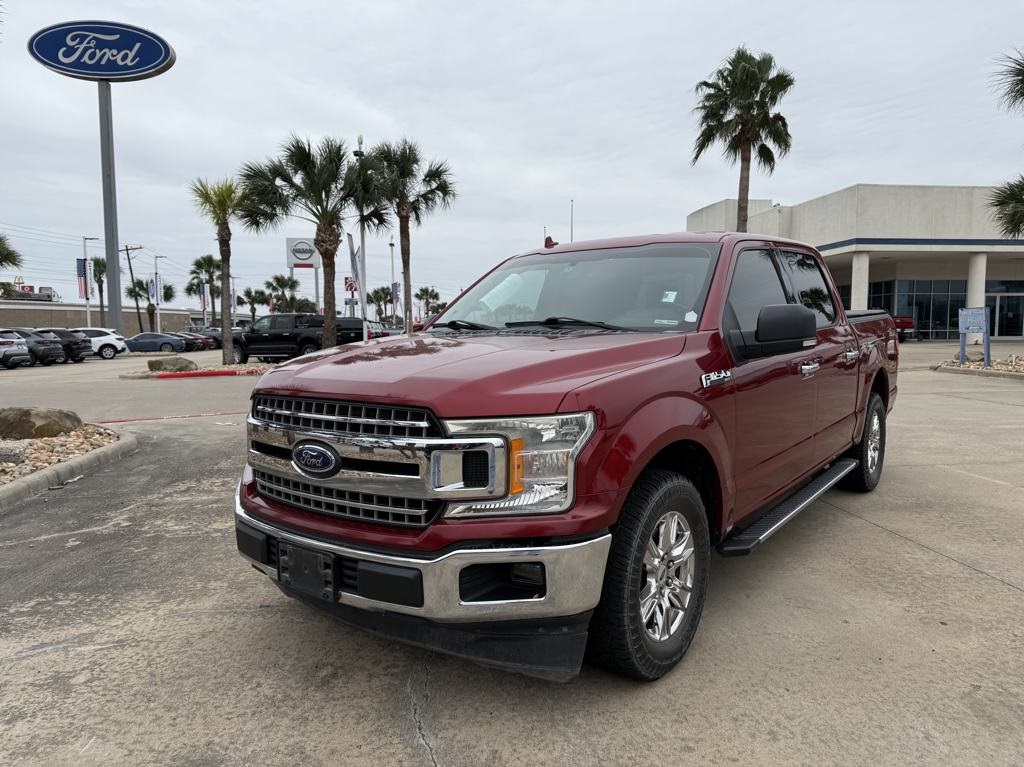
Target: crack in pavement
(416,708)
(926,547)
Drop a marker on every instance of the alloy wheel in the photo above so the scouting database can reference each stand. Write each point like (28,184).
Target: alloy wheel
(668,576)
(874,442)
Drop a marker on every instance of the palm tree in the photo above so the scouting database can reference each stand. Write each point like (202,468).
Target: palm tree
(137,291)
(9,259)
(735,109)
(1007,200)
(141,290)
(412,190)
(309,183)
(380,298)
(99,276)
(220,202)
(205,269)
(282,289)
(426,297)
(253,298)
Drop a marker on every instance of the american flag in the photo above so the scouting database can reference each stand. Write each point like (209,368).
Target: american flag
(83,280)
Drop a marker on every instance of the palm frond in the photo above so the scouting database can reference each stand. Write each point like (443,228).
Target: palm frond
(1009,80)
(9,257)
(1007,204)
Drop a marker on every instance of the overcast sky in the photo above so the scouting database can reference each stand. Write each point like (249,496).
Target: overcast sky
(532,103)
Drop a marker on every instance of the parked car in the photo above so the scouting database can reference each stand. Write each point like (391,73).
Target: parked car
(548,468)
(76,346)
(45,350)
(155,342)
(191,344)
(291,335)
(204,341)
(106,343)
(13,350)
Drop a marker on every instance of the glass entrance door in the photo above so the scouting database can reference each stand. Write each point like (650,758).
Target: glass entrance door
(1008,311)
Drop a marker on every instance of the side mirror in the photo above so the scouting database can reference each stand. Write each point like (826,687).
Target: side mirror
(781,329)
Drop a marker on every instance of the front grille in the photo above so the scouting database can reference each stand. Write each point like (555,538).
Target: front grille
(348,418)
(347,504)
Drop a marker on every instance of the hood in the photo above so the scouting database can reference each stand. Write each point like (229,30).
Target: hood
(462,376)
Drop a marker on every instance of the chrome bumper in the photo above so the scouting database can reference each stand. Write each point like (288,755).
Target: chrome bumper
(574,574)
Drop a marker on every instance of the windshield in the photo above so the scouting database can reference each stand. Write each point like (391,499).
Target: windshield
(655,288)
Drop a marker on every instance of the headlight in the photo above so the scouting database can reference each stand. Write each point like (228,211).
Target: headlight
(542,453)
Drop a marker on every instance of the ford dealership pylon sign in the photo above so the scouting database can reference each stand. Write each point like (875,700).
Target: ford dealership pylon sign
(101,50)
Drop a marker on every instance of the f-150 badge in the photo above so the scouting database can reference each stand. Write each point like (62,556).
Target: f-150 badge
(717,378)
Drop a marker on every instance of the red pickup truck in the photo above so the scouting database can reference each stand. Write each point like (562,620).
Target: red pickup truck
(546,470)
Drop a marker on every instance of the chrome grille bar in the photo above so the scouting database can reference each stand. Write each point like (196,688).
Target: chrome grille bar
(347,418)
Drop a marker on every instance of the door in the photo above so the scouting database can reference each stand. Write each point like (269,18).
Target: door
(257,339)
(774,400)
(837,355)
(1010,316)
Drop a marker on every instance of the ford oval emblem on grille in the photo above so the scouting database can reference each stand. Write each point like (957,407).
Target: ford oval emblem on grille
(317,460)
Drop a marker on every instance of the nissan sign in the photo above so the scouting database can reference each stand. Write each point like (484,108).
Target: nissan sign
(302,254)
(101,50)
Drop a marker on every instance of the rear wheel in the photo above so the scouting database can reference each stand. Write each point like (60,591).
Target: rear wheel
(62,358)
(47,362)
(239,355)
(308,349)
(655,581)
(78,359)
(11,365)
(166,348)
(870,452)
(108,352)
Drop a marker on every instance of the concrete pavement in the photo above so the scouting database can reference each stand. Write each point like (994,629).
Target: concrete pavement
(885,628)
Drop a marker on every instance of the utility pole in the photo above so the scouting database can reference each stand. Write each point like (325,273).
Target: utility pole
(131,275)
(360,156)
(158,290)
(88,280)
(394,293)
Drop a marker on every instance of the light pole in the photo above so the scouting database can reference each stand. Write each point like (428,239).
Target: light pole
(394,295)
(571,216)
(88,280)
(157,290)
(360,156)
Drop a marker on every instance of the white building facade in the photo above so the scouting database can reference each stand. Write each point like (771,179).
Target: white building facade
(920,251)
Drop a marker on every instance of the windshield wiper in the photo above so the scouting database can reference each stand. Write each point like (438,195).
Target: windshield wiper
(465,325)
(553,321)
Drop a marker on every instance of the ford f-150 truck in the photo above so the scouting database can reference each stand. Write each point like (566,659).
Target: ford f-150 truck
(546,470)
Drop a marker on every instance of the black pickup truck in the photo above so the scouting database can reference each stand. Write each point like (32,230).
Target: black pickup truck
(282,336)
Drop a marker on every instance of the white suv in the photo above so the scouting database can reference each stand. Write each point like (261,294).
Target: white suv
(106,343)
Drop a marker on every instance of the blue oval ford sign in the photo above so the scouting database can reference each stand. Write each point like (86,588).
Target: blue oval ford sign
(315,459)
(101,50)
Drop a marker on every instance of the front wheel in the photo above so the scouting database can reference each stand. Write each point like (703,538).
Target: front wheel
(308,349)
(870,452)
(78,359)
(166,348)
(655,580)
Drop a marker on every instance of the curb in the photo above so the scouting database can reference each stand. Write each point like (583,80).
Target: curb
(210,373)
(982,373)
(25,488)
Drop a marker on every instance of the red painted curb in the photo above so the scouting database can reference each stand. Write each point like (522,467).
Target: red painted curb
(211,373)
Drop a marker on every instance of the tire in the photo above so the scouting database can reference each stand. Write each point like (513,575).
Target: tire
(108,352)
(47,362)
(62,359)
(239,355)
(166,348)
(870,451)
(12,365)
(308,349)
(620,639)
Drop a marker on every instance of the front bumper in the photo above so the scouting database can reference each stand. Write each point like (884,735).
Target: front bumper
(573,575)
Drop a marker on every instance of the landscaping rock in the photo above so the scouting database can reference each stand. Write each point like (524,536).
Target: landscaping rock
(35,422)
(172,365)
(12,451)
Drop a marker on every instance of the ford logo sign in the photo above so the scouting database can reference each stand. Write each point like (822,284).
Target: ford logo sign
(314,459)
(101,50)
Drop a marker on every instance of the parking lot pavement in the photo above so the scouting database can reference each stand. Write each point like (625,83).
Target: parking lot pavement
(882,629)
(93,389)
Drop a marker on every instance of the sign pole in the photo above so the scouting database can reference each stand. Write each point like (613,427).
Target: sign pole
(110,207)
(316,288)
(88,282)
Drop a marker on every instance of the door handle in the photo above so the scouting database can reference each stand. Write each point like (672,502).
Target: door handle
(851,356)
(809,368)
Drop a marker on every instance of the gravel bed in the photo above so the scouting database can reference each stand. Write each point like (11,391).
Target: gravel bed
(46,451)
(1013,364)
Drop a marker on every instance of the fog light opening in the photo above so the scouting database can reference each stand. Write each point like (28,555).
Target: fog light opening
(502,581)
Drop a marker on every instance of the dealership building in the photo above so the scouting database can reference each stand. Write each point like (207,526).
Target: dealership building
(919,251)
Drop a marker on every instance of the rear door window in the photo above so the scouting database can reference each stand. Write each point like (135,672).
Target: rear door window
(808,286)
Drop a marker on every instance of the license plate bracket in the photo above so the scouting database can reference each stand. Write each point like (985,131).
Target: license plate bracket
(306,570)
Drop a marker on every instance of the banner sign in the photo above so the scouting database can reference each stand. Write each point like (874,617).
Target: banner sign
(350,285)
(101,50)
(301,254)
(974,319)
